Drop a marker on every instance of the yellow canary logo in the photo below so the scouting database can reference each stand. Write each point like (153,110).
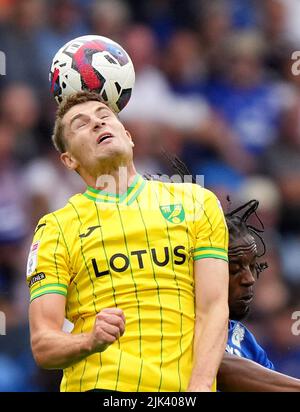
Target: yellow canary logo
(173,213)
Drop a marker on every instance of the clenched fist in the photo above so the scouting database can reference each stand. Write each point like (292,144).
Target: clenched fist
(108,327)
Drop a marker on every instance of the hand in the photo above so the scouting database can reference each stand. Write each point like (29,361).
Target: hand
(109,326)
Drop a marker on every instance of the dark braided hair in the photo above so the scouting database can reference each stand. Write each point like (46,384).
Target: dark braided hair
(238,227)
(237,224)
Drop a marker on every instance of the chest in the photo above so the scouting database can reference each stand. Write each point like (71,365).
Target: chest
(118,238)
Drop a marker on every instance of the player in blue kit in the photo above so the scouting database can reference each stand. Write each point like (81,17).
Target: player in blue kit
(244,270)
(245,366)
(241,342)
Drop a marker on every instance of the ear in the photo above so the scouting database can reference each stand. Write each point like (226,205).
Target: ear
(129,137)
(69,161)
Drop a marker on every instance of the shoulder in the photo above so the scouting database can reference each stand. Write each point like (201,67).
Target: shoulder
(62,215)
(250,347)
(190,189)
(238,330)
(191,195)
(240,335)
(242,331)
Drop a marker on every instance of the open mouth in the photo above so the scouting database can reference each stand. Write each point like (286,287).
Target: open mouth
(103,137)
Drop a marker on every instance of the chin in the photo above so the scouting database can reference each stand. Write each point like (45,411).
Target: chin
(114,154)
(237,314)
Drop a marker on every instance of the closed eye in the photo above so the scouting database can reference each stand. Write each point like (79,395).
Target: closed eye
(79,123)
(103,115)
(234,268)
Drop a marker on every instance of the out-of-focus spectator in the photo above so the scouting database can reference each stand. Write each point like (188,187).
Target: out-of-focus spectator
(65,21)
(165,17)
(44,177)
(6,9)
(273,21)
(291,21)
(19,41)
(244,14)
(110,18)
(184,63)
(250,103)
(214,85)
(265,190)
(221,178)
(282,344)
(272,25)
(213,24)
(14,226)
(12,214)
(190,115)
(19,108)
(282,162)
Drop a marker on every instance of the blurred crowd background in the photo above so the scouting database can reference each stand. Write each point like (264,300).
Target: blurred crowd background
(214,85)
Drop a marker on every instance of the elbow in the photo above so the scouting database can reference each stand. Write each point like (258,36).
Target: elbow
(40,354)
(42,362)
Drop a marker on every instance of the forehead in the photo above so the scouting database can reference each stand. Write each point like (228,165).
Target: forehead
(85,109)
(243,245)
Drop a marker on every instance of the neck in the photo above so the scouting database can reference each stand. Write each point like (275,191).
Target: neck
(115,181)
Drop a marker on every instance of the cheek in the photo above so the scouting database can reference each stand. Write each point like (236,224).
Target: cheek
(78,145)
(126,142)
(121,131)
(233,286)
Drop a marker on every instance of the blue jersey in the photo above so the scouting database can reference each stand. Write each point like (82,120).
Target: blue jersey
(241,342)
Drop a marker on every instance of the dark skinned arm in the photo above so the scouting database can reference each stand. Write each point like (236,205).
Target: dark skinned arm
(238,374)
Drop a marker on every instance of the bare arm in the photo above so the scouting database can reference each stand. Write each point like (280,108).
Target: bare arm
(54,349)
(211,324)
(238,374)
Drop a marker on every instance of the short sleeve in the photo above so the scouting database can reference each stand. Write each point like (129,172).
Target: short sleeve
(259,354)
(47,264)
(210,226)
(264,360)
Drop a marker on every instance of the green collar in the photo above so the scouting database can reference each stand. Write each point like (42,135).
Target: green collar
(128,197)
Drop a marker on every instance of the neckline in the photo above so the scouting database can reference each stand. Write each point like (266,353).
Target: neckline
(128,197)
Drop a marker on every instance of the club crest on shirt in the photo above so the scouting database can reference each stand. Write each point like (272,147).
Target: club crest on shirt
(173,213)
(238,335)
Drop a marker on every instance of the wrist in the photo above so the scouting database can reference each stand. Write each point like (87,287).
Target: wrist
(200,384)
(86,345)
(199,388)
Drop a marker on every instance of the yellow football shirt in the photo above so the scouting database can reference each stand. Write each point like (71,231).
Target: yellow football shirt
(134,252)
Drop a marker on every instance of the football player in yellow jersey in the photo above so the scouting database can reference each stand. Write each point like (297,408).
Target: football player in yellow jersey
(139,268)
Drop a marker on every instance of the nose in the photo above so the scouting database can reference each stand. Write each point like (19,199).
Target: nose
(98,123)
(247,278)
